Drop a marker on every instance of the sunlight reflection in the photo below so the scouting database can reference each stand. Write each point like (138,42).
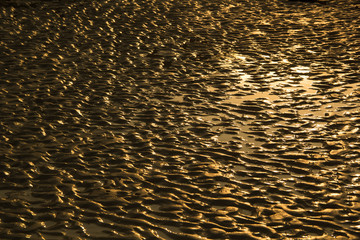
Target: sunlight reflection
(301,69)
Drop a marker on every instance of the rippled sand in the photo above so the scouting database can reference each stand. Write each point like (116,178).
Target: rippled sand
(189,119)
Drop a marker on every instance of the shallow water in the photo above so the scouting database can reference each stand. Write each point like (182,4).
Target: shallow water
(179,119)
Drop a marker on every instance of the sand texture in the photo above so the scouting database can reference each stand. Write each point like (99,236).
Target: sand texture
(179,119)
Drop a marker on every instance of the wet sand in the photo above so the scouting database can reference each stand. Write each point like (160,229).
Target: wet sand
(179,119)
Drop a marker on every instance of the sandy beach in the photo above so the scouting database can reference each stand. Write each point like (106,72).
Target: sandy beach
(184,120)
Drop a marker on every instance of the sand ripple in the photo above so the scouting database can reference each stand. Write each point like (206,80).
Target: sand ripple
(179,119)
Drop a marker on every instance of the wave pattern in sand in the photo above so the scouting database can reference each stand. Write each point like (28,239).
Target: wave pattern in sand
(183,119)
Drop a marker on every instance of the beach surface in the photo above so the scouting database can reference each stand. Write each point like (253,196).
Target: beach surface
(191,119)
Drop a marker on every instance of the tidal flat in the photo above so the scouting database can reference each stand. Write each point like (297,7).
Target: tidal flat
(183,120)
